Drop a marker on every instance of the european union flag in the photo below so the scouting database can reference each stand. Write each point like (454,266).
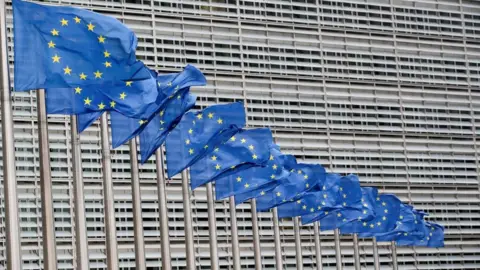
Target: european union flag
(406,223)
(417,236)
(251,181)
(156,131)
(436,235)
(197,133)
(337,192)
(302,178)
(86,120)
(387,210)
(169,86)
(65,47)
(245,149)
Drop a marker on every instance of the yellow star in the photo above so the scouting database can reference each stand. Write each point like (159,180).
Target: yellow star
(371,225)
(216,149)
(217,167)
(101,39)
(299,201)
(305,177)
(299,171)
(51,44)
(386,211)
(107,64)
(169,83)
(379,224)
(279,194)
(323,203)
(205,147)
(214,158)
(200,116)
(101,106)
(271,157)
(384,218)
(262,193)
(274,166)
(344,204)
(251,147)
(64,22)
(190,151)
(243,140)
(233,139)
(312,209)
(187,142)
(78,90)
(364,212)
(272,176)
(339,215)
(141,122)
(67,70)
(90,27)
(106,54)
(128,83)
(123,95)
(83,76)
(378,198)
(304,207)
(325,196)
(365,205)
(55,32)
(239,179)
(210,115)
(341,188)
(77,20)
(98,74)
(220,121)
(307,185)
(384,204)
(254,156)
(190,131)
(112,104)
(401,217)
(247,185)
(87,101)
(162,112)
(364,224)
(56,58)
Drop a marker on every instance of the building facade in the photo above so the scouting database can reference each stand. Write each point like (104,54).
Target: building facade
(386,89)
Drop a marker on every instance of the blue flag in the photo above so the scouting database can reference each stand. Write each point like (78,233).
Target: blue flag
(72,49)
(170,86)
(302,178)
(406,223)
(337,192)
(156,131)
(387,210)
(436,235)
(251,181)
(86,120)
(417,236)
(245,149)
(197,133)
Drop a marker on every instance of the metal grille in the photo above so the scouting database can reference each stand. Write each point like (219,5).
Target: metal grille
(387,89)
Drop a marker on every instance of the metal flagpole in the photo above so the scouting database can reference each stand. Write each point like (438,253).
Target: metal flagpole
(163,210)
(234,228)
(81,244)
(356,252)
(212,228)
(338,252)
(318,246)
(276,235)
(394,255)
(108,200)
(187,213)
(137,207)
(375,254)
(48,220)
(298,243)
(14,260)
(256,235)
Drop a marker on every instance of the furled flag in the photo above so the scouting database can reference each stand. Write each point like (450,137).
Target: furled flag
(77,50)
(245,149)
(302,178)
(251,181)
(334,217)
(387,209)
(197,133)
(406,223)
(336,192)
(169,86)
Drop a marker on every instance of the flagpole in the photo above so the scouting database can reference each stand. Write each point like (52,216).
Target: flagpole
(212,228)
(394,255)
(137,207)
(48,220)
(108,199)
(163,211)
(338,252)
(187,214)
(298,243)
(356,252)
(318,245)
(276,235)
(375,254)
(256,235)
(14,257)
(234,229)
(81,239)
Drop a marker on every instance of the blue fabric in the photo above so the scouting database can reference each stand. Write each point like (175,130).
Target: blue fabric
(436,235)
(336,192)
(78,49)
(302,178)
(406,223)
(257,177)
(197,133)
(156,131)
(169,86)
(87,119)
(245,149)
(416,237)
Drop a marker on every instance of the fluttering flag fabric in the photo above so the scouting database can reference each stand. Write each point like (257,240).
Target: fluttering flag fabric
(436,235)
(156,131)
(387,210)
(250,181)
(406,223)
(245,149)
(87,119)
(302,178)
(198,131)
